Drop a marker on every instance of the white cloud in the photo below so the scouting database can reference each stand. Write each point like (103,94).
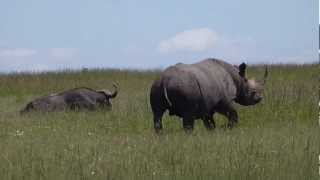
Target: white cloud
(17,52)
(194,40)
(63,53)
(25,59)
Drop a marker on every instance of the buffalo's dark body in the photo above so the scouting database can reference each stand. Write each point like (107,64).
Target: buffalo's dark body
(199,90)
(73,99)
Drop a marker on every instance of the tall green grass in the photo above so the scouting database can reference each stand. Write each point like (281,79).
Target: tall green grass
(276,139)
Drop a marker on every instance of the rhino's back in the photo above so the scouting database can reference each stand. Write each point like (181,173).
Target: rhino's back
(216,79)
(202,85)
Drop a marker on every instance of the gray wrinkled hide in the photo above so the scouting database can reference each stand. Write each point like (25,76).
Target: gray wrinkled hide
(74,99)
(201,89)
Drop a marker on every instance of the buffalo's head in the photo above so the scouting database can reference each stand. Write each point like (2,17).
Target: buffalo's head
(250,92)
(108,96)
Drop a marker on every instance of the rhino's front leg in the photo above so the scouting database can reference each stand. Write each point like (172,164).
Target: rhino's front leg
(232,117)
(209,122)
(188,124)
(230,112)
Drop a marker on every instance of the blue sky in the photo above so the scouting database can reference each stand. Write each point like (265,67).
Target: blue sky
(48,35)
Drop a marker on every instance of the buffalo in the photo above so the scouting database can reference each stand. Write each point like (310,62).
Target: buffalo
(81,98)
(199,90)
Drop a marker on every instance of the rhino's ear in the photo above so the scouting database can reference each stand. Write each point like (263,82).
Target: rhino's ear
(242,70)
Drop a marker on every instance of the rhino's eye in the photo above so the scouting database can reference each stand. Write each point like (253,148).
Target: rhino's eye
(252,92)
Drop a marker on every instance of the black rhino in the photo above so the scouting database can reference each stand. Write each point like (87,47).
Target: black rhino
(194,91)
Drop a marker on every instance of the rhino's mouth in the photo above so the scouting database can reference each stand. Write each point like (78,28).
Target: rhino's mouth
(258,100)
(254,101)
(249,102)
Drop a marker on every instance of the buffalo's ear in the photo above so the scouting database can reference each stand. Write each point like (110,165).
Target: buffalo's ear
(242,70)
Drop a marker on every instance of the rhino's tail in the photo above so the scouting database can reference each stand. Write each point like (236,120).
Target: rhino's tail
(166,96)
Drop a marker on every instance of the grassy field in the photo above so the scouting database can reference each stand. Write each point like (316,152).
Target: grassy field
(276,139)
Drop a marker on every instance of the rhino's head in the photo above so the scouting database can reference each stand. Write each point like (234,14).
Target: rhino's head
(250,90)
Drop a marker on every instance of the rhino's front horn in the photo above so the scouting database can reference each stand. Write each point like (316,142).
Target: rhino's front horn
(265,76)
(114,94)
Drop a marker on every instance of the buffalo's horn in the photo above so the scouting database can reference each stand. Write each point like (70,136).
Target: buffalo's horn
(114,94)
(265,76)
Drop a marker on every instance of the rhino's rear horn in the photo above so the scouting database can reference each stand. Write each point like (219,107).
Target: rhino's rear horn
(114,94)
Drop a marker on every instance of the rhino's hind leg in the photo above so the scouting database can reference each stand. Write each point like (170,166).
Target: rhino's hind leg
(157,120)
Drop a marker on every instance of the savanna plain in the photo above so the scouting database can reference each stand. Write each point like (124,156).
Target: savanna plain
(277,139)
